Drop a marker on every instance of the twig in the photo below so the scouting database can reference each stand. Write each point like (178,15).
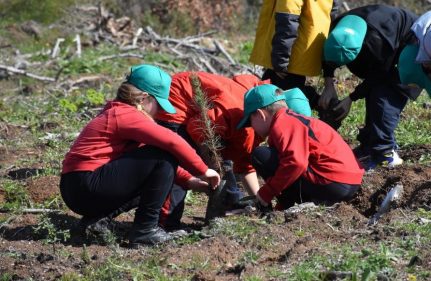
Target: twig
(25,73)
(124,55)
(135,38)
(346,6)
(32,211)
(78,45)
(208,65)
(223,51)
(56,48)
(167,40)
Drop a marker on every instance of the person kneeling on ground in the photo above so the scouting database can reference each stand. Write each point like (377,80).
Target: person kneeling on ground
(306,160)
(225,95)
(123,159)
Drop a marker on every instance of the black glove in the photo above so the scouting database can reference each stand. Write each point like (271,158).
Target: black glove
(329,115)
(263,211)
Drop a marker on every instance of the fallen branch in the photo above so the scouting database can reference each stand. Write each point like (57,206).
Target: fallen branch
(32,211)
(56,49)
(207,65)
(346,6)
(223,51)
(78,45)
(166,40)
(125,55)
(25,73)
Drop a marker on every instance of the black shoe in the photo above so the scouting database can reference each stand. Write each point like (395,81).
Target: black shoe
(144,236)
(94,225)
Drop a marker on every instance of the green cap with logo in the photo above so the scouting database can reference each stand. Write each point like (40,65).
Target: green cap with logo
(410,71)
(345,41)
(258,97)
(297,101)
(154,81)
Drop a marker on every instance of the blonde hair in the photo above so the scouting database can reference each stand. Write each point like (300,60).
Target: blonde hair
(131,95)
(276,106)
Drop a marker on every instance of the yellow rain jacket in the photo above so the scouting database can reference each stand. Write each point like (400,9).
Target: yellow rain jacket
(290,35)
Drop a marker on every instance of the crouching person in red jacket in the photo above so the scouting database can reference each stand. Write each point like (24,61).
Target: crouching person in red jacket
(305,160)
(123,159)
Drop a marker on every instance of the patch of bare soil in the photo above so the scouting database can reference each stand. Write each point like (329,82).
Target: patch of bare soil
(43,188)
(416,181)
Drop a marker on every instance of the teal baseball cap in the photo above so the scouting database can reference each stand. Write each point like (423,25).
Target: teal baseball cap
(297,101)
(345,41)
(154,81)
(411,72)
(258,97)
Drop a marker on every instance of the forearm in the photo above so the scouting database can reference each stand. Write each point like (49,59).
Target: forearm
(250,183)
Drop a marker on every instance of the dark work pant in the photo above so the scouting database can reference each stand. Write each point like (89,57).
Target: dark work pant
(293,81)
(147,172)
(384,105)
(265,161)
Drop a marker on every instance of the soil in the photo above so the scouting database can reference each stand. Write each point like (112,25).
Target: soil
(25,253)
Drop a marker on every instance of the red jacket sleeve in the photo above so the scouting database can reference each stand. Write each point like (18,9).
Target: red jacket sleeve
(291,142)
(141,129)
(182,177)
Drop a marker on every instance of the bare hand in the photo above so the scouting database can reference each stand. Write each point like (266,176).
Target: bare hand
(328,94)
(343,108)
(212,177)
(198,185)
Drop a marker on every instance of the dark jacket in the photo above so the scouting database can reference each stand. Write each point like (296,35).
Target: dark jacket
(388,32)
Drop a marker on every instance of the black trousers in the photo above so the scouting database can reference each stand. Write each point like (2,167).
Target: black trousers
(265,161)
(147,172)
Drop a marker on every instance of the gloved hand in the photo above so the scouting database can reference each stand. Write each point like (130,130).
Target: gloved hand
(263,208)
(343,108)
(329,93)
(330,116)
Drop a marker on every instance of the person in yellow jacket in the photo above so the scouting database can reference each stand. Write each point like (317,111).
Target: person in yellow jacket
(289,41)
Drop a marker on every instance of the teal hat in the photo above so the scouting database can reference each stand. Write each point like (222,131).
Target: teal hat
(154,81)
(345,41)
(297,101)
(258,97)
(411,72)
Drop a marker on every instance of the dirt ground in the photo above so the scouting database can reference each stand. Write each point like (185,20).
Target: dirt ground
(26,255)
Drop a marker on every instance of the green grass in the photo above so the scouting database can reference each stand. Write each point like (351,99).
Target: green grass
(116,268)
(15,193)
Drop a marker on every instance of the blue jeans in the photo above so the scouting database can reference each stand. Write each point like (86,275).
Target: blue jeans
(384,105)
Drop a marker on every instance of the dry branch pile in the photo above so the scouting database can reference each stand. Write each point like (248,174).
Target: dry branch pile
(95,25)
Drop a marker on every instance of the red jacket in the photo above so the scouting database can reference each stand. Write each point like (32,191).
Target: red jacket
(318,154)
(120,128)
(227,98)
